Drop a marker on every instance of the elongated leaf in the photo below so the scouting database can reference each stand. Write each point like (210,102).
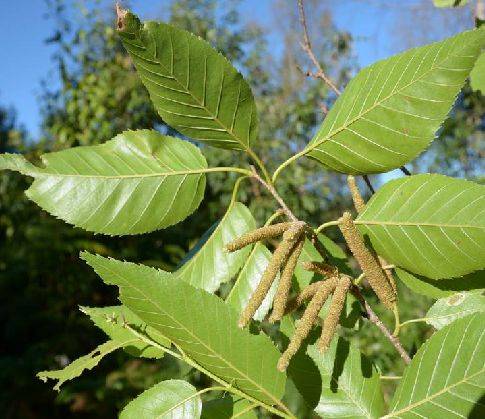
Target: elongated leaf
(248,280)
(138,182)
(112,321)
(199,323)
(86,362)
(166,400)
(350,382)
(390,112)
(430,225)
(444,287)
(446,377)
(477,75)
(193,87)
(446,310)
(17,163)
(208,264)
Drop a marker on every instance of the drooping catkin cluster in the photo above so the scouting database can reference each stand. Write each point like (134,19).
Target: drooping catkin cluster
(284,258)
(368,261)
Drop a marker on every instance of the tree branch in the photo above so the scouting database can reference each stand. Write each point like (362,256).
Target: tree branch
(306,45)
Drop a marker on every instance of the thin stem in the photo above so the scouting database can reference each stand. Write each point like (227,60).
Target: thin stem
(397,321)
(390,377)
(236,188)
(405,171)
(227,169)
(418,320)
(359,279)
(369,185)
(286,163)
(307,47)
(325,225)
(260,164)
(373,318)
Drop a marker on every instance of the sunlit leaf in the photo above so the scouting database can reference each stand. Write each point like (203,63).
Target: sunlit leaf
(477,75)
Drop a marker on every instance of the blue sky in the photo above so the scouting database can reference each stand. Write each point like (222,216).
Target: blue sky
(26,59)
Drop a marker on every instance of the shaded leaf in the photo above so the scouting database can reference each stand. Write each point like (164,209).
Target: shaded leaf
(201,324)
(193,87)
(444,287)
(86,362)
(390,112)
(350,382)
(226,408)
(138,182)
(248,280)
(431,225)
(111,320)
(208,264)
(165,400)
(446,310)
(446,377)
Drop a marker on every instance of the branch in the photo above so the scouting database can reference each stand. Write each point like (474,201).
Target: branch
(373,318)
(306,45)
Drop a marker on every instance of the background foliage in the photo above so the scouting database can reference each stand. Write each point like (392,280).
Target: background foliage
(42,281)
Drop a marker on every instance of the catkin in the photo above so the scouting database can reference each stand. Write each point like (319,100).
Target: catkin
(367,261)
(306,322)
(284,286)
(359,203)
(321,268)
(388,273)
(307,293)
(336,306)
(262,233)
(290,237)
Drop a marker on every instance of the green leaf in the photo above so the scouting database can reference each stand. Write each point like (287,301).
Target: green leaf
(446,310)
(430,225)
(193,87)
(248,279)
(477,75)
(390,112)
(17,163)
(86,362)
(350,382)
(138,182)
(165,400)
(449,3)
(201,324)
(208,264)
(444,287)
(112,321)
(446,377)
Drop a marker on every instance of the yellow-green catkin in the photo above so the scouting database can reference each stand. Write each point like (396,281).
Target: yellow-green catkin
(307,293)
(306,322)
(336,306)
(290,237)
(284,286)
(359,203)
(388,272)
(262,233)
(367,261)
(321,268)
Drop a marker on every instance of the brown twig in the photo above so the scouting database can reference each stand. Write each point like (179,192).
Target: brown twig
(373,318)
(306,45)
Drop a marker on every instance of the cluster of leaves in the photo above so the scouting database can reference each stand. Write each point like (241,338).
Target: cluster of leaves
(429,226)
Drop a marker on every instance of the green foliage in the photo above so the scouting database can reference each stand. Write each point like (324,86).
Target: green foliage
(245,361)
(194,89)
(449,3)
(168,399)
(428,387)
(431,225)
(208,265)
(384,118)
(477,75)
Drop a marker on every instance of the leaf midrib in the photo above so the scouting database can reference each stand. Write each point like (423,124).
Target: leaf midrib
(415,224)
(216,354)
(136,176)
(330,135)
(431,397)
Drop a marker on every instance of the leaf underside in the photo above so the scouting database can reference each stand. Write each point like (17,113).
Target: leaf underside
(138,182)
(208,264)
(390,112)
(201,324)
(430,225)
(193,87)
(166,400)
(446,377)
